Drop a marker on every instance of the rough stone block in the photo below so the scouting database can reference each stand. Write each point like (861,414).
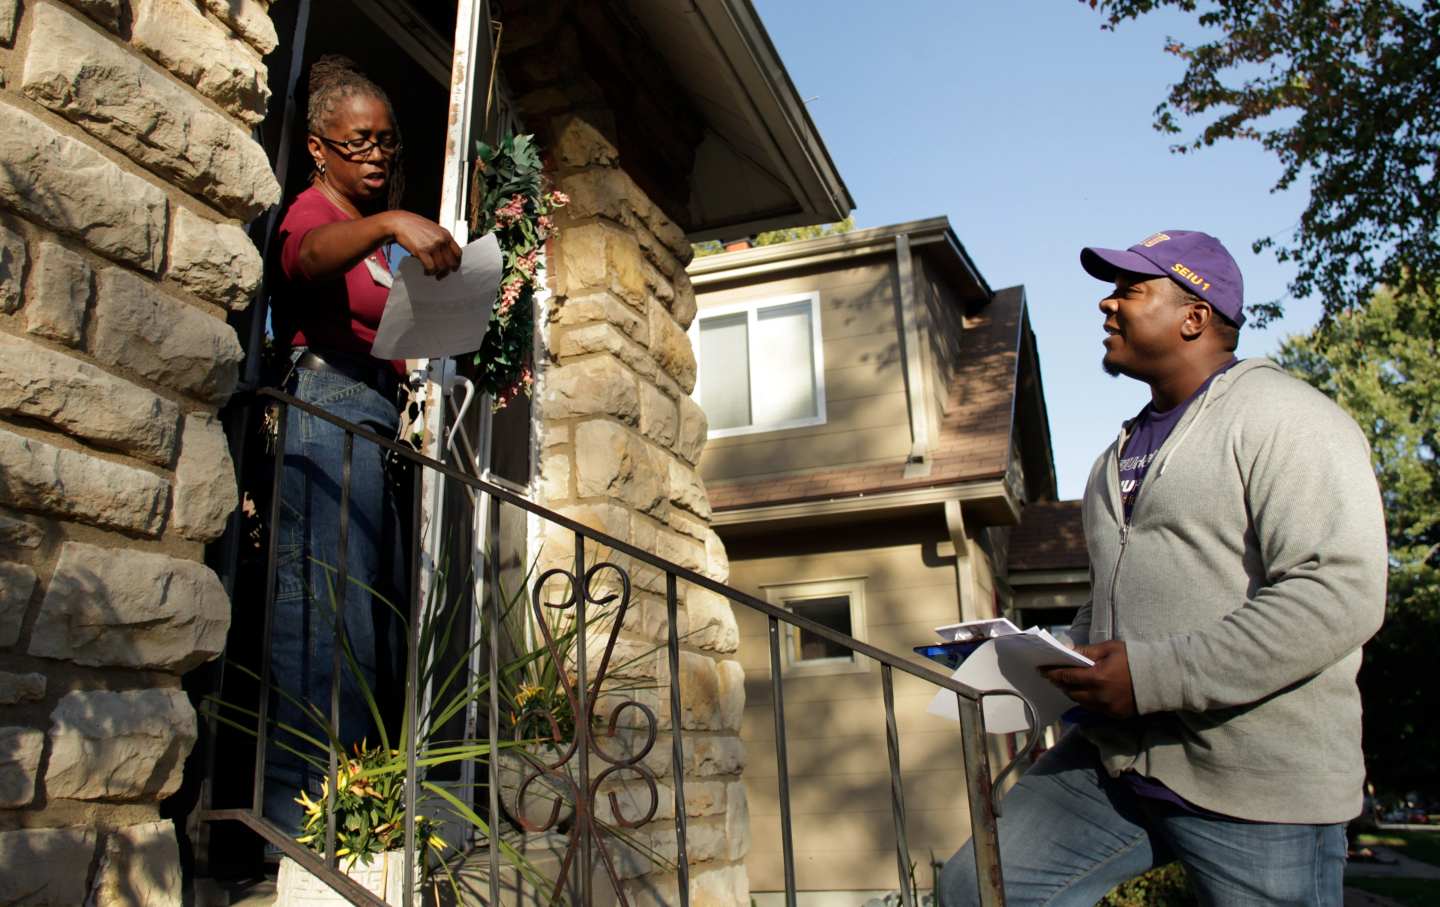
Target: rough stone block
(112,94)
(579,144)
(138,865)
(17,688)
(66,483)
(50,857)
(598,256)
(60,294)
(586,340)
(216,262)
(14,262)
(732,695)
(681,549)
(85,401)
(682,302)
(687,490)
(611,462)
(140,328)
(591,387)
(659,419)
(119,746)
(717,562)
(671,347)
(250,19)
(106,12)
(17,583)
(20,750)
(9,18)
(205,491)
(601,308)
(70,187)
(555,477)
(18,533)
(597,192)
(699,693)
(712,621)
(694,428)
(178,36)
(112,607)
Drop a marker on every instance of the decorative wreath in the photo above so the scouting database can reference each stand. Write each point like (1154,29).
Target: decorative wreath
(510,197)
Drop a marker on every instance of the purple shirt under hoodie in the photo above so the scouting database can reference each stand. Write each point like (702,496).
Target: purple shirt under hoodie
(1148,432)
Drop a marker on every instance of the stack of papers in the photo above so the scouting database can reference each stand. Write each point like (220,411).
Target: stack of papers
(1010,660)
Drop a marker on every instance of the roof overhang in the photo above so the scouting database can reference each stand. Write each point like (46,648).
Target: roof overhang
(990,501)
(932,237)
(762,164)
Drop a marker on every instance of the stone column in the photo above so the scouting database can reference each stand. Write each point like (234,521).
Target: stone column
(620,435)
(126,169)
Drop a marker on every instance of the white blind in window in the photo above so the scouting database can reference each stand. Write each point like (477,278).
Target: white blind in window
(784,364)
(725,371)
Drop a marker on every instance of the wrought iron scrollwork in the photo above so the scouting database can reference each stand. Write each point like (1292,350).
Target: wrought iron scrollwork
(569,773)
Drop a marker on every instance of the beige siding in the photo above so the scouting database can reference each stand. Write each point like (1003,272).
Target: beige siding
(838,764)
(866,417)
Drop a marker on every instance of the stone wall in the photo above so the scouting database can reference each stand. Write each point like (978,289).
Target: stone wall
(620,435)
(126,169)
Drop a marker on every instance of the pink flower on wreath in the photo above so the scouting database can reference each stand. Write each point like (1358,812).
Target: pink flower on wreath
(558,199)
(527,263)
(546,224)
(511,211)
(509,293)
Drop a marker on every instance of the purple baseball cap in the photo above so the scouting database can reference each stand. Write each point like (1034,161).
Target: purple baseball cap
(1196,261)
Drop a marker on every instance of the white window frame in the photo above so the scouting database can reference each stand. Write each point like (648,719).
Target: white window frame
(785,594)
(752,309)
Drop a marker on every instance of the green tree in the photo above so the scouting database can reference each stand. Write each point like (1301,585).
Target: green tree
(774,237)
(1380,363)
(1346,93)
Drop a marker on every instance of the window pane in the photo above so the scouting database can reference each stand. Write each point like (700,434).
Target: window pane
(725,370)
(785,364)
(833,612)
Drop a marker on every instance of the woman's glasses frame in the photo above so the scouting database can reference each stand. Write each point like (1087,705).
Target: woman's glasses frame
(354,149)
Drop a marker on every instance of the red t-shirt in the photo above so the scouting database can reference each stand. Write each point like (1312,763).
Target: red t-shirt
(337,313)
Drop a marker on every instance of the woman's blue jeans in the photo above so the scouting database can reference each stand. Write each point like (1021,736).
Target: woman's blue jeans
(1070,833)
(303,635)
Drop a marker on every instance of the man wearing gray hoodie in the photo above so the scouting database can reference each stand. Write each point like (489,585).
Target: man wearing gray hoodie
(1237,565)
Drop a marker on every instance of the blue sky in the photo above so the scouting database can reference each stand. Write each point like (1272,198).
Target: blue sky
(1030,128)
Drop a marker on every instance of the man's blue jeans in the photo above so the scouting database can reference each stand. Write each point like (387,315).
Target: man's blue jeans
(1070,833)
(307,594)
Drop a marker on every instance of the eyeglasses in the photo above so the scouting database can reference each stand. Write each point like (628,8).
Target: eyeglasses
(387,142)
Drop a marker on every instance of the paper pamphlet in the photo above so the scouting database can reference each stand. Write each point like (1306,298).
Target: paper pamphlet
(972,630)
(427,318)
(1009,661)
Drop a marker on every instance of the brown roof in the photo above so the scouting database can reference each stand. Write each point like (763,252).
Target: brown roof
(1050,537)
(974,440)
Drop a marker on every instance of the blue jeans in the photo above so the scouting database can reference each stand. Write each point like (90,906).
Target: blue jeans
(303,638)
(1070,833)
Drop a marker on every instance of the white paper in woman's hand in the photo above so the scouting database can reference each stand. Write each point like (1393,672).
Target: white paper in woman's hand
(427,318)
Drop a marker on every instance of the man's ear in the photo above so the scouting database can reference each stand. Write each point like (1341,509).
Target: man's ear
(1197,318)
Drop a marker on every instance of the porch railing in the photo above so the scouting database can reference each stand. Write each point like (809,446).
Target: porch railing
(586,763)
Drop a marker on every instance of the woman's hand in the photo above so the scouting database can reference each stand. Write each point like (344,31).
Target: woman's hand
(331,250)
(429,242)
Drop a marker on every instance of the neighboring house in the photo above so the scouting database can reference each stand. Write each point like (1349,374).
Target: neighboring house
(877,429)
(138,139)
(1049,568)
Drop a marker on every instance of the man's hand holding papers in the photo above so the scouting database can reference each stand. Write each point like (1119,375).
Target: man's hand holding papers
(1011,661)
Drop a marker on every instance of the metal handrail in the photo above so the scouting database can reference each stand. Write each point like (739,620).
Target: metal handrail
(982,793)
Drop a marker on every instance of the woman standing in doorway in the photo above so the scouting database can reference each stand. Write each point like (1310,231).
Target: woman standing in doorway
(332,280)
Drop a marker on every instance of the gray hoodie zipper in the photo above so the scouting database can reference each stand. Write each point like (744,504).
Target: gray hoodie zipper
(1125,520)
